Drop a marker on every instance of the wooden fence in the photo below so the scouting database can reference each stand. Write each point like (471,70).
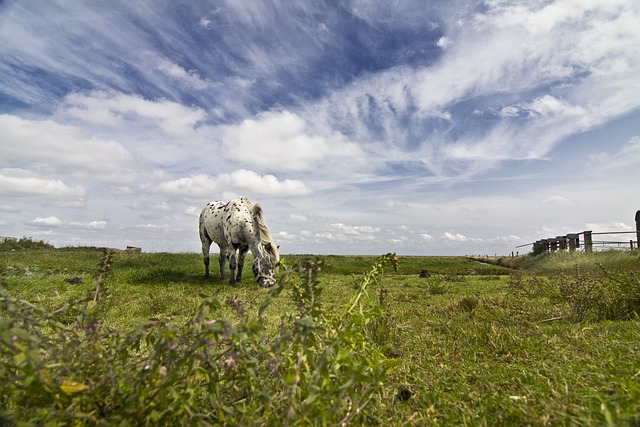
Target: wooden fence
(573,241)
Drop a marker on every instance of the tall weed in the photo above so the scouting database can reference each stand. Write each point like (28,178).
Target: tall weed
(319,367)
(607,295)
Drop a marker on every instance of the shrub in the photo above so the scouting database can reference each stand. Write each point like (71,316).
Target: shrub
(437,285)
(24,244)
(319,367)
(532,286)
(604,296)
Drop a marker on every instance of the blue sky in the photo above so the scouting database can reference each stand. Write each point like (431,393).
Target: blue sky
(361,127)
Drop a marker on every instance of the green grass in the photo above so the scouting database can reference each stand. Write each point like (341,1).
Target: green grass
(559,262)
(479,344)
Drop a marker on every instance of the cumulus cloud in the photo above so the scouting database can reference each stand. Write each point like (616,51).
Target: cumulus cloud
(48,221)
(192,211)
(91,225)
(98,225)
(49,145)
(242,181)
(19,183)
(351,233)
(282,141)
(454,237)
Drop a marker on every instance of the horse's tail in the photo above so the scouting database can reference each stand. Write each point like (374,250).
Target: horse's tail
(265,235)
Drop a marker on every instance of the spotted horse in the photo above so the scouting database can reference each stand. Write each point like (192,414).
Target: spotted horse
(237,227)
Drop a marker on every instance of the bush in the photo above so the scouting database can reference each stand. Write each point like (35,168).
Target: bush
(24,244)
(319,367)
(604,296)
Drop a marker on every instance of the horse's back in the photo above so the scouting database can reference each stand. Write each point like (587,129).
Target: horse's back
(238,221)
(227,223)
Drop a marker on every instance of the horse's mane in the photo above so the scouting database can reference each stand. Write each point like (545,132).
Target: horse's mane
(265,235)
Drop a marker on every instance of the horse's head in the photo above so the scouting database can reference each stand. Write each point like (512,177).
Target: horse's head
(264,272)
(264,267)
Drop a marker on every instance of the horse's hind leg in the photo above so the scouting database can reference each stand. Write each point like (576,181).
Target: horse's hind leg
(242,253)
(206,244)
(223,262)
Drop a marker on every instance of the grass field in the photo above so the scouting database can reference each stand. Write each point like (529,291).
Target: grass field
(542,342)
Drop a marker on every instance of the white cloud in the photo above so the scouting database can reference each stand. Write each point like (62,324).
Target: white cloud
(510,240)
(251,182)
(242,181)
(548,105)
(443,42)
(627,157)
(611,226)
(19,183)
(426,237)
(189,78)
(192,211)
(48,145)
(496,54)
(454,237)
(511,111)
(559,201)
(91,225)
(115,109)
(354,232)
(282,141)
(285,236)
(49,221)
(98,225)
(296,218)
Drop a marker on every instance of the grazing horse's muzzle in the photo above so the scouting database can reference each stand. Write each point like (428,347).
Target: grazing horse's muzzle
(263,273)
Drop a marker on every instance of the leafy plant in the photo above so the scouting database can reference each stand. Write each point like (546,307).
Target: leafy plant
(437,285)
(23,244)
(319,367)
(610,295)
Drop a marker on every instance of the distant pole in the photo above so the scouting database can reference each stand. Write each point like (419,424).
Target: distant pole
(638,229)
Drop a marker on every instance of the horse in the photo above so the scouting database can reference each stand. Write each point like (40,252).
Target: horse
(236,227)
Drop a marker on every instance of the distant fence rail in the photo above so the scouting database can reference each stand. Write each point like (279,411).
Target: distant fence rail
(573,242)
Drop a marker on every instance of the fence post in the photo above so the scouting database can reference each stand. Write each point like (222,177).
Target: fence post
(588,243)
(574,241)
(562,242)
(638,229)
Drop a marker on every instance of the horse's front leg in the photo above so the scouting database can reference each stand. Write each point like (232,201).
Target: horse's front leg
(242,253)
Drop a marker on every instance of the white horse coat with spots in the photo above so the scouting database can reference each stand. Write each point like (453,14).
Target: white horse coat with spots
(237,227)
